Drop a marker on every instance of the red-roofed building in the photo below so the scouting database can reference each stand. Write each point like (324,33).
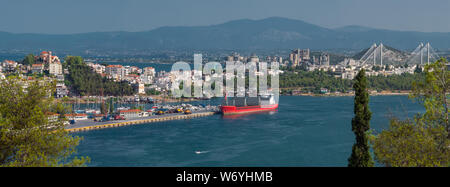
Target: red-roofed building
(76,116)
(130,113)
(116,72)
(132,78)
(52,117)
(9,66)
(37,68)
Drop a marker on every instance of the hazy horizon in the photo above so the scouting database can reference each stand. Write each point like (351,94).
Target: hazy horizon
(69,17)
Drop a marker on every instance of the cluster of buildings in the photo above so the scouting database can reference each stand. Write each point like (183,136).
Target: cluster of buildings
(51,68)
(44,62)
(346,69)
(253,58)
(135,76)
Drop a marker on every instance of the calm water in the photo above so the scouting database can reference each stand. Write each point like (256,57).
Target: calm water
(305,131)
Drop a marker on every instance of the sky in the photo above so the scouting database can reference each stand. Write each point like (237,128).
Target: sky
(79,16)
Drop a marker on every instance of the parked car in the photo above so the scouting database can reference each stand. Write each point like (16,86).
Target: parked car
(119,117)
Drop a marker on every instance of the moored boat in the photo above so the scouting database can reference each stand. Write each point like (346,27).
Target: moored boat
(245,105)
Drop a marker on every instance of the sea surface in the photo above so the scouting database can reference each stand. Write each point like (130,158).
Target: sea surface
(305,131)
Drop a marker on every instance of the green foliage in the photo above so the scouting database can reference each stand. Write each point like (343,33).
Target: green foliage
(432,91)
(28,60)
(411,143)
(314,80)
(154,92)
(393,82)
(84,81)
(418,70)
(27,136)
(104,108)
(73,60)
(424,141)
(360,156)
(111,105)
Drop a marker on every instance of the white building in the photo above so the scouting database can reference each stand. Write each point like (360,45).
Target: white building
(61,90)
(55,68)
(116,72)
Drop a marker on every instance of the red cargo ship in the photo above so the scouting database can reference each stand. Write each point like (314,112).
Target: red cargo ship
(265,103)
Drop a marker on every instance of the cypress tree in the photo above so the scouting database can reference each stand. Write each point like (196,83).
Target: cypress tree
(361,124)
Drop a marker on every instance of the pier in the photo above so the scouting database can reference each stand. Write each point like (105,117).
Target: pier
(91,125)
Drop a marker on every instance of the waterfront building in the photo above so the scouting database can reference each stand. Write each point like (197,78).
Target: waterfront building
(76,117)
(52,117)
(132,113)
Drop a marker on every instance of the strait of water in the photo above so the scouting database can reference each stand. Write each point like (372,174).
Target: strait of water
(305,131)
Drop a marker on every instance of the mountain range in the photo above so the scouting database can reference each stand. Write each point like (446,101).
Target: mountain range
(269,33)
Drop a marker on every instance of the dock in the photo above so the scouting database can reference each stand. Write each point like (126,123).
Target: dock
(91,125)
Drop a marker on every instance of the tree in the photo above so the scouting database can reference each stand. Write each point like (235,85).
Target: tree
(28,60)
(418,69)
(104,108)
(360,156)
(84,81)
(424,140)
(28,137)
(433,93)
(111,105)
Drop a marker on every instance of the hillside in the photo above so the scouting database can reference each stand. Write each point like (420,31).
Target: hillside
(270,33)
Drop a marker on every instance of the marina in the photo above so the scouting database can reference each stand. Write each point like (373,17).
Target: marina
(130,115)
(86,125)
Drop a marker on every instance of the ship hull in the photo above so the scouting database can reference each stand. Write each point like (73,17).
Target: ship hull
(231,110)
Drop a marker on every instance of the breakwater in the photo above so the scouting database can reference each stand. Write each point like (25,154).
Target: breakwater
(140,121)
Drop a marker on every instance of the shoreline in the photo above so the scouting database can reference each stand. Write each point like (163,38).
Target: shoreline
(404,93)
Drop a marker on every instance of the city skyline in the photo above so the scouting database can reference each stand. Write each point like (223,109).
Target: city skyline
(99,16)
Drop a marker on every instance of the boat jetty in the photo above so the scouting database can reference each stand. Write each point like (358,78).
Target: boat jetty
(125,116)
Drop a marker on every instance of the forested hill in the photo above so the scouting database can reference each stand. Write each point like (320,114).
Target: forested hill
(269,33)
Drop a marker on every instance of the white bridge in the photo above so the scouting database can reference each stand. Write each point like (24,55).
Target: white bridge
(375,54)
